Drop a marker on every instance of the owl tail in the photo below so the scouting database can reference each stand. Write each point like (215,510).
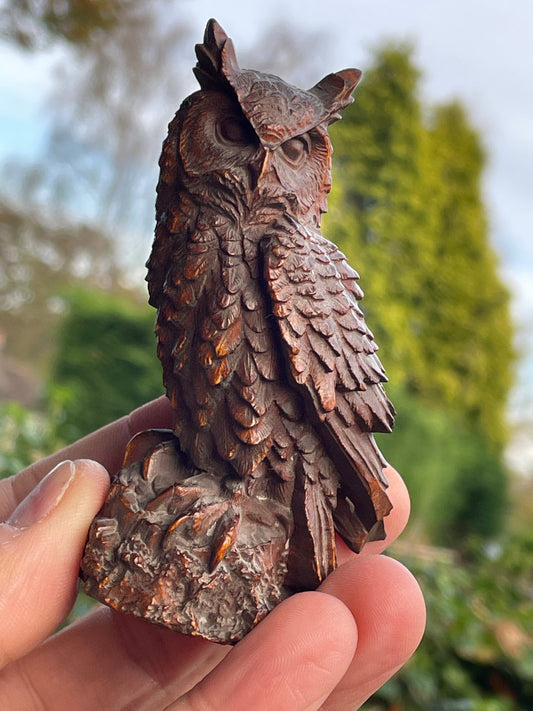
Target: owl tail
(312,553)
(186,548)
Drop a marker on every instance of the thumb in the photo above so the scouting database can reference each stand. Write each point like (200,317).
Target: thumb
(40,551)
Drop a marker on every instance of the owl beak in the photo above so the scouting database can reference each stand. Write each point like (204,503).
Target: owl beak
(266,166)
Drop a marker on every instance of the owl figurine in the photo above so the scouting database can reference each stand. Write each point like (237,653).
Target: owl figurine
(268,363)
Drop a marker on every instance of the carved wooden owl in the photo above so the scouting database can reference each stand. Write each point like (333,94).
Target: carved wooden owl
(272,373)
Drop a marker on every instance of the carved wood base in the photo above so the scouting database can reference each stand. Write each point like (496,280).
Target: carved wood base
(184,549)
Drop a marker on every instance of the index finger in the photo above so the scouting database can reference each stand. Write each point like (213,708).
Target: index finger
(395,522)
(105,445)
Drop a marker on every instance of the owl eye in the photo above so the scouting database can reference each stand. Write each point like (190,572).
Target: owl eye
(296,149)
(237,130)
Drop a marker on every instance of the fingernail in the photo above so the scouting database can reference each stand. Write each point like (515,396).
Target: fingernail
(45,497)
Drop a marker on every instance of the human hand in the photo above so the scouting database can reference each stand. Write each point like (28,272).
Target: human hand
(329,649)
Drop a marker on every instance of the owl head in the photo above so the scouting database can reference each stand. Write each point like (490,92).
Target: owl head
(254,135)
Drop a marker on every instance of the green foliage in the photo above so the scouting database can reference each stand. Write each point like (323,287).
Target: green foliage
(39,257)
(467,332)
(407,210)
(25,437)
(377,211)
(106,363)
(456,477)
(30,23)
(477,653)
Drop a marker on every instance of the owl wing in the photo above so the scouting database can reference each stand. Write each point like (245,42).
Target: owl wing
(332,358)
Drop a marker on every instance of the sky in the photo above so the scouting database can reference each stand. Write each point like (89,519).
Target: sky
(479,51)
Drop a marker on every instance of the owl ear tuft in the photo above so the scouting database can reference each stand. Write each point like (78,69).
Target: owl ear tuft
(217,61)
(335,90)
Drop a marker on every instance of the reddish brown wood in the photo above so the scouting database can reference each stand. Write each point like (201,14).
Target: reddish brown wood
(271,370)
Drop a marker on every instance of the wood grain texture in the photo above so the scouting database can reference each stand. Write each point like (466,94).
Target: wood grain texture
(271,370)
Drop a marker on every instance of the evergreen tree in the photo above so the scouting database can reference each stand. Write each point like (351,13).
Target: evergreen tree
(378,215)
(408,212)
(467,331)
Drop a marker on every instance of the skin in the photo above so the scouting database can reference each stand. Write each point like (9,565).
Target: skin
(328,649)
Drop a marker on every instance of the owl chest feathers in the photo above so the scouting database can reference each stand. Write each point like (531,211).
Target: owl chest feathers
(258,323)
(222,364)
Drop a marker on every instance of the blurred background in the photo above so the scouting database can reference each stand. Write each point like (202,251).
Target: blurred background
(433,177)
